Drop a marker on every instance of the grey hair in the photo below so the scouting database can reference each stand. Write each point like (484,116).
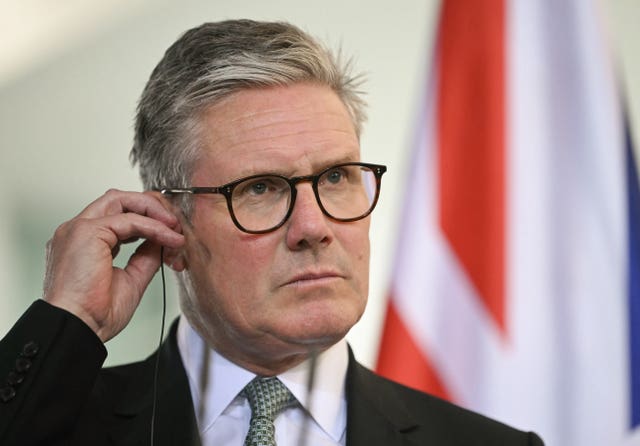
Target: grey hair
(212,61)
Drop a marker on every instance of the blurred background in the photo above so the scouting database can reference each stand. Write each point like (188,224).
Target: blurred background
(71,72)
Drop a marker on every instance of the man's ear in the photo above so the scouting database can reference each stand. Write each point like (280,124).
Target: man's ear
(172,257)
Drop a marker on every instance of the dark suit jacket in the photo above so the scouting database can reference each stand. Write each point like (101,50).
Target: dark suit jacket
(54,392)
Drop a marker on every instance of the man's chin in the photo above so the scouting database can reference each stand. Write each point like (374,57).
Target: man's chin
(317,342)
(316,337)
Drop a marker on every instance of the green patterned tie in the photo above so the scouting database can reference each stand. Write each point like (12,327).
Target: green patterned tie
(267,398)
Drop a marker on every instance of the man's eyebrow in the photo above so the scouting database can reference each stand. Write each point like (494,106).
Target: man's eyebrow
(345,159)
(291,172)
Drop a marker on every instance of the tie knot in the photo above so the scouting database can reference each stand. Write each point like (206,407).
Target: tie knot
(267,397)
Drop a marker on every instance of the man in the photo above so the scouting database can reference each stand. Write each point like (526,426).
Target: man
(247,139)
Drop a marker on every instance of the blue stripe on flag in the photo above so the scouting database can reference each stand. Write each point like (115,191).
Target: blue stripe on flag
(634,280)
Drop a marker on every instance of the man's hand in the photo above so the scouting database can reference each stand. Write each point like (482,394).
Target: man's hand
(80,276)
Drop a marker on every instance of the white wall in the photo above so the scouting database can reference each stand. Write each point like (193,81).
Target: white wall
(66,124)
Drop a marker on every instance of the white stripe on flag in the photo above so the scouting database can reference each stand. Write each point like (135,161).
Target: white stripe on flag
(568,223)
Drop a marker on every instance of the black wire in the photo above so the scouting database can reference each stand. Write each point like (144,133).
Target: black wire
(157,365)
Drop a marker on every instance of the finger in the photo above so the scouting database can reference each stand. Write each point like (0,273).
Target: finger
(142,266)
(115,202)
(116,229)
(176,211)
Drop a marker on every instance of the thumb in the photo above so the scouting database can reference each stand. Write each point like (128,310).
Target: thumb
(142,266)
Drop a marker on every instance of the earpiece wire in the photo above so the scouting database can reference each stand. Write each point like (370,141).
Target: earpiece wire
(157,364)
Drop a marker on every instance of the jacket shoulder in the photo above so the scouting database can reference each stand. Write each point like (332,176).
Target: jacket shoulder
(425,417)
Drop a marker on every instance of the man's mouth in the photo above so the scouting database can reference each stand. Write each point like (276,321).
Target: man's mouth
(312,278)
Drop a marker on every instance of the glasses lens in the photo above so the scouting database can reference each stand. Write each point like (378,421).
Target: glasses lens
(260,203)
(347,192)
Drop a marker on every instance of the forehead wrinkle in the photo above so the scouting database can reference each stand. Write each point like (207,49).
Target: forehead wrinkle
(251,133)
(333,121)
(266,106)
(267,141)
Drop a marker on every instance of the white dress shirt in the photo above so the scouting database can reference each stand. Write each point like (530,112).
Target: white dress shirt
(225,414)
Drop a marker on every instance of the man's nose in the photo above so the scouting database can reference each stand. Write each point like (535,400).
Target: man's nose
(308,226)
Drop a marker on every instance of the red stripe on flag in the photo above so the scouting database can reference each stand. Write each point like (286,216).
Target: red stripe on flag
(401,360)
(470,111)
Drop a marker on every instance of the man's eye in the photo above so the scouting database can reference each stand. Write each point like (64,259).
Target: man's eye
(335,176)
(257,188)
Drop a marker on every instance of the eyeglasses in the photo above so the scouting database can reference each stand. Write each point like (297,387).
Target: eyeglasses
(262,203)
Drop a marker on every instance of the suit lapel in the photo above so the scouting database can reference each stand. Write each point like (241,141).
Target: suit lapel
(175,422)
(375,414)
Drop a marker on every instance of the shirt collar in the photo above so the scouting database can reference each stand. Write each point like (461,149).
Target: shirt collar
(327,404)
(225,380)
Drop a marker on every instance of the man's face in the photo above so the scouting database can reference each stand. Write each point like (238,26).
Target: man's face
(265,300)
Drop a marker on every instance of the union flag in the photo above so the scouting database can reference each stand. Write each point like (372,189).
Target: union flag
(516,283)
